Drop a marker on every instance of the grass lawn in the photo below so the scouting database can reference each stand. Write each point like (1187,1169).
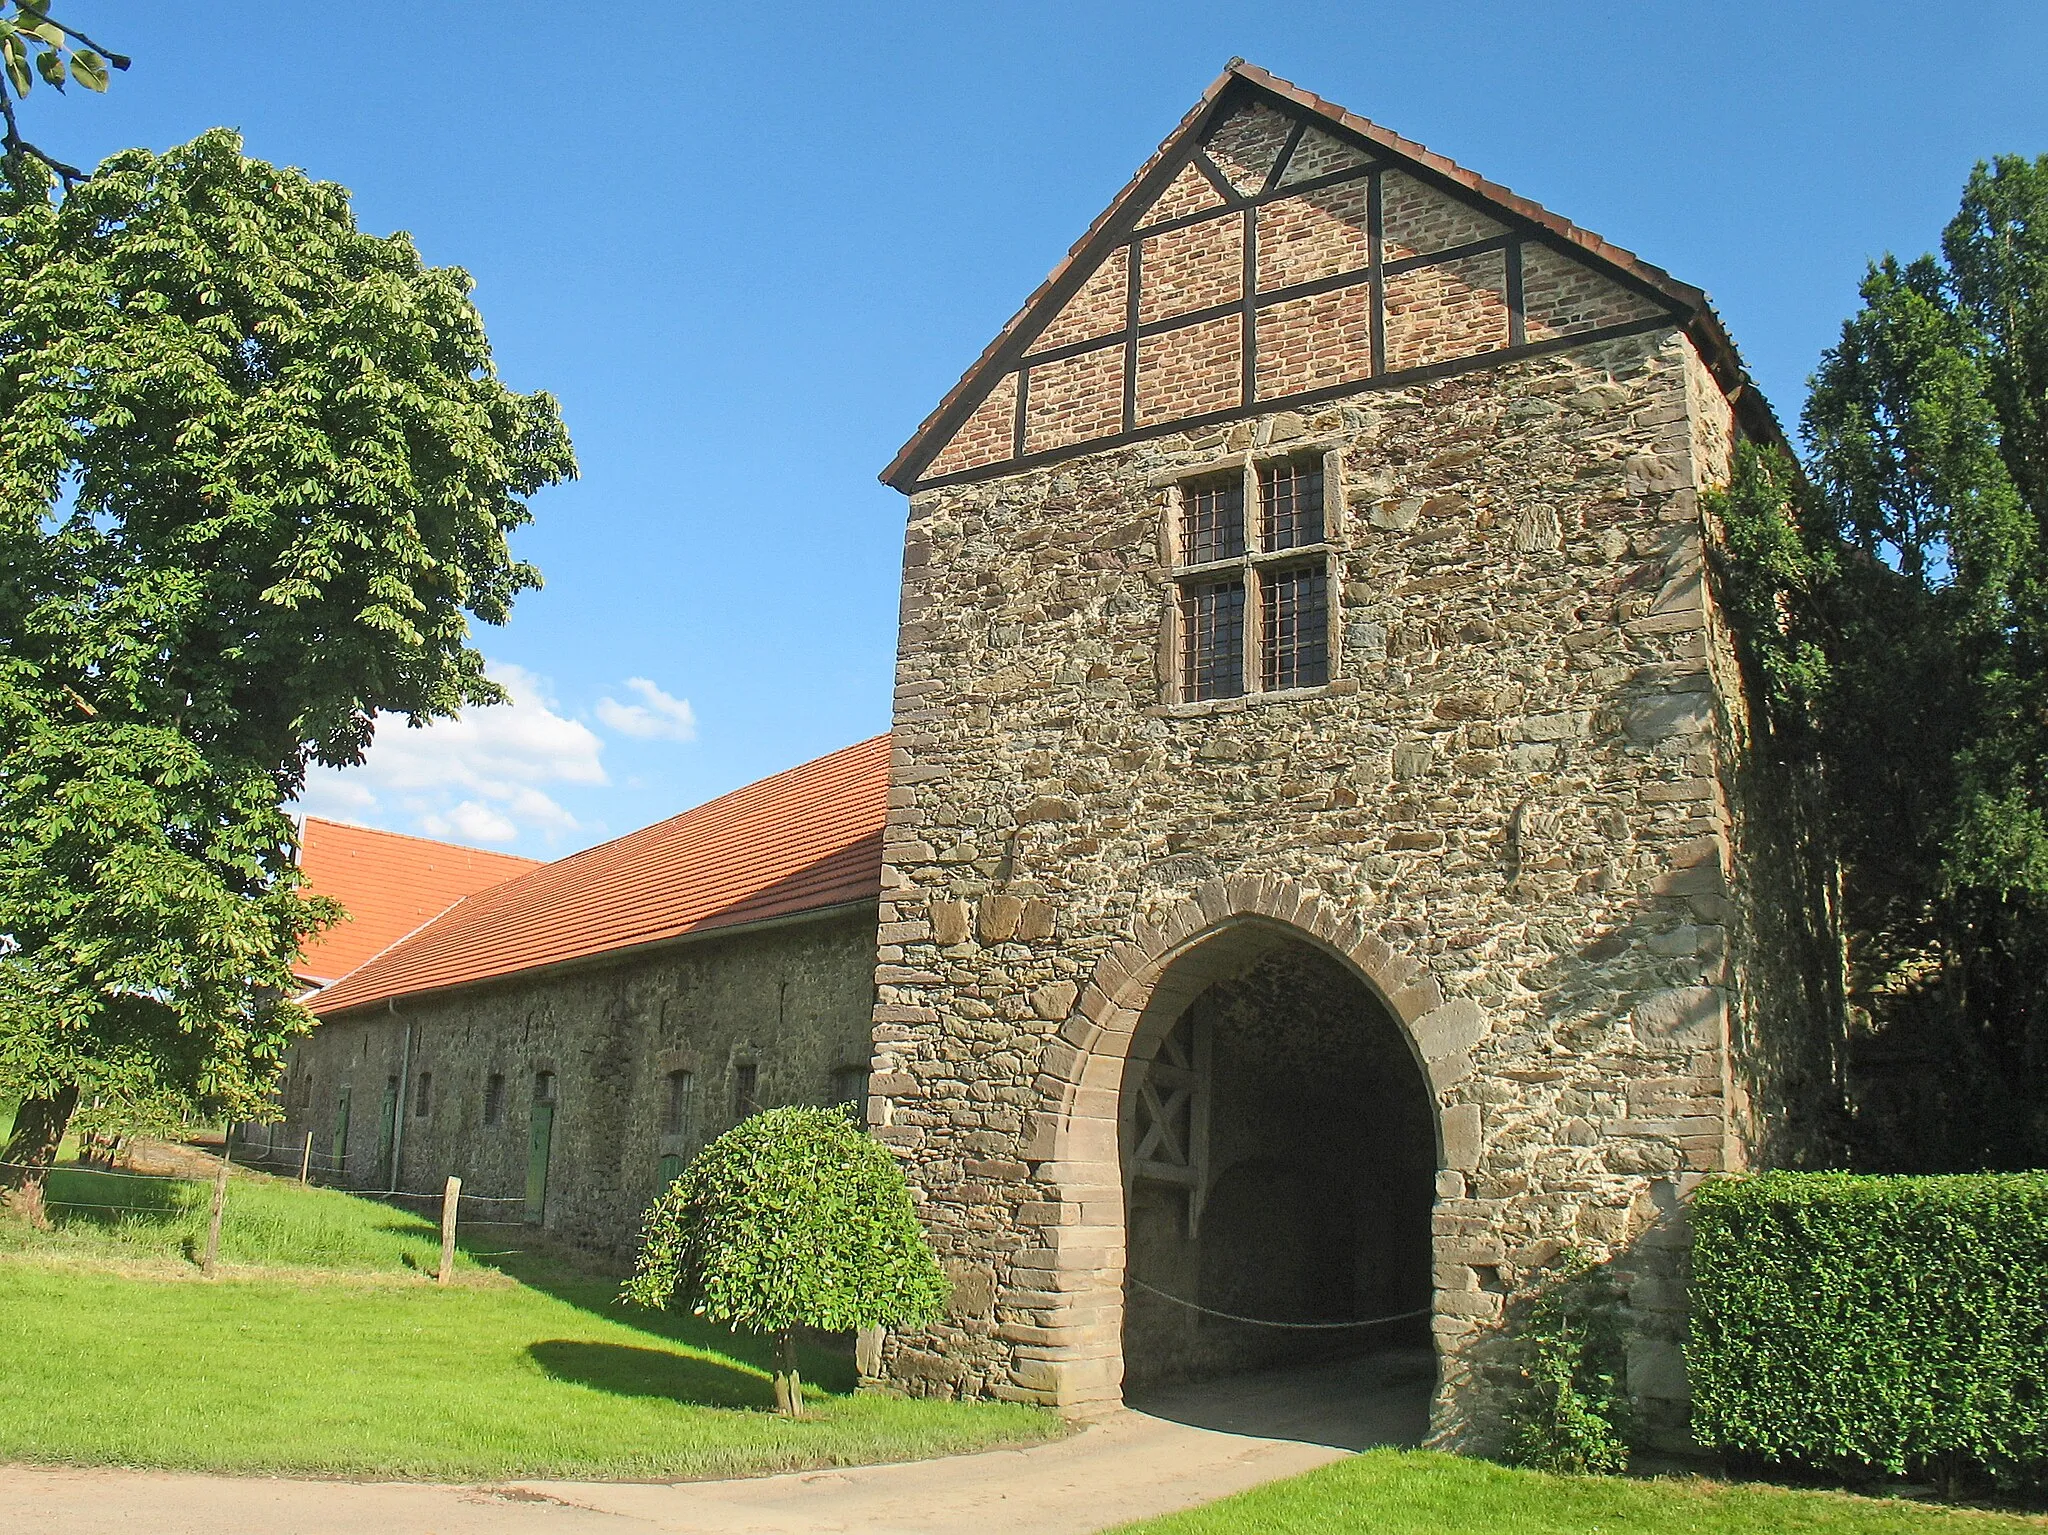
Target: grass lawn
(1392,1492)
(324,1348)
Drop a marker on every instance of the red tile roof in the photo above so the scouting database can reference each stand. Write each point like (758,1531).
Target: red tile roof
(803,840)
(390,884)
(1237,78)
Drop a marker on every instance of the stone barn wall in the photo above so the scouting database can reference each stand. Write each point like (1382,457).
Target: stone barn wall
(791,1000)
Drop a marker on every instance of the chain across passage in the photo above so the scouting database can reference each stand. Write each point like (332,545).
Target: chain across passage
(99,1172)
(1230,1316)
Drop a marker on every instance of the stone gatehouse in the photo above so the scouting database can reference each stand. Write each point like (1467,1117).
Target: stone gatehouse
(1326,870)
(1306,617)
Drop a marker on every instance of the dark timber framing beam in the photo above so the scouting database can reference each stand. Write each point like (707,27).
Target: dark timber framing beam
(1451,369)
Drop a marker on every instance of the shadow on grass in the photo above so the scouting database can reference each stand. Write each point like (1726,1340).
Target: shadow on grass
(623,1370)
(81,1197)
(825,1360)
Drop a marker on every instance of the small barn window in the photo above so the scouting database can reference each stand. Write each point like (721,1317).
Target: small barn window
(1250,608)
(543,1087)
(494,1098)
(423,1096)
(746,1084)
(675,1109)
(849,1084)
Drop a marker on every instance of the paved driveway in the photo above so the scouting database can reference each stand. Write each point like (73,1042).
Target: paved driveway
(1191,1446)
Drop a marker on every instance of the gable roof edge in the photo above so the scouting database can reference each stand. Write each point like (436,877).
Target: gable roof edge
(899,473)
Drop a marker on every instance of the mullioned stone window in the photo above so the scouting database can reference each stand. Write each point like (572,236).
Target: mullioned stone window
(1250,547)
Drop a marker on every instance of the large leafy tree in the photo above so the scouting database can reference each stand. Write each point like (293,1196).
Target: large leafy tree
(256,478)
(1896,595)
(793,1218)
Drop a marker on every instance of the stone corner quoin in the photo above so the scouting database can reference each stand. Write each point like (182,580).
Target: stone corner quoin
(1515,811)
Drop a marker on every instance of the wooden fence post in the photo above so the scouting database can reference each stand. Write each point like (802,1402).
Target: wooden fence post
(451,1199)
(220,1201)
(306,1158)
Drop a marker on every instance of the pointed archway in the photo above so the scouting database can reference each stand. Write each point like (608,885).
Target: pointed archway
(1072,1287)
(1279,1160)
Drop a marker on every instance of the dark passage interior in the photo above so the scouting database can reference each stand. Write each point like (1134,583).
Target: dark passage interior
(1279,1163)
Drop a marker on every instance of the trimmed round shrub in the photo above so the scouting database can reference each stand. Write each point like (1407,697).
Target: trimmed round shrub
(793,1218)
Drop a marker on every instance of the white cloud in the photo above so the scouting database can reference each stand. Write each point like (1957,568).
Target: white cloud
(476,778)
(471,821)
(658,717)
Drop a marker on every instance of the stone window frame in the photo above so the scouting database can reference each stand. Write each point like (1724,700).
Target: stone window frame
(1175,574)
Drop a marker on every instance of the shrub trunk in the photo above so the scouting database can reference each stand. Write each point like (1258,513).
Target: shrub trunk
(789,1387)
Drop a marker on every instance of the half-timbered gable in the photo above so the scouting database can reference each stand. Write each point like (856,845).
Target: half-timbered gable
(1279,252)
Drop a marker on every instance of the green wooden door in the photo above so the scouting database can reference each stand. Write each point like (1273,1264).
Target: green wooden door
(340,1144)
(671,1168)
(387,1132)
(540,1142)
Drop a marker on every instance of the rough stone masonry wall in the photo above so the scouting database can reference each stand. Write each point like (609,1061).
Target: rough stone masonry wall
(793,1001)
(1501,790)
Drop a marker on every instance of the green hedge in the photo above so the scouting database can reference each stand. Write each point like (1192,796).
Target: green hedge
(1889,1324)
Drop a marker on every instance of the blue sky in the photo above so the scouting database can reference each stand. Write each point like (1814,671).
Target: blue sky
(749,246)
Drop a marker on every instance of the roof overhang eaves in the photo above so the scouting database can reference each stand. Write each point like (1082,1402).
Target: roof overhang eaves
(386,1000)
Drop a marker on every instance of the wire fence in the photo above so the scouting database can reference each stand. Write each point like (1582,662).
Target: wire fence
(102,1172)
(453,1217)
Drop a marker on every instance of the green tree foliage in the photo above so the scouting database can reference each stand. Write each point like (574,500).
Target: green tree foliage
(1874,1324)
(36,45)
(1895,597)
(792,1218)
(256,477)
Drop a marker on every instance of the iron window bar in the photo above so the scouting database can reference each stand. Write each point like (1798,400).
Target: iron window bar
(1294,603)
(1290,504)
(1212,637)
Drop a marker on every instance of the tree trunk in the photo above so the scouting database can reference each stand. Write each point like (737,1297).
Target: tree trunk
(38,1129)
(789,1387)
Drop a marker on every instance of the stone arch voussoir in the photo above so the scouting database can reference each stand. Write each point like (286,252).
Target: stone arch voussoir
(1442,1032)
